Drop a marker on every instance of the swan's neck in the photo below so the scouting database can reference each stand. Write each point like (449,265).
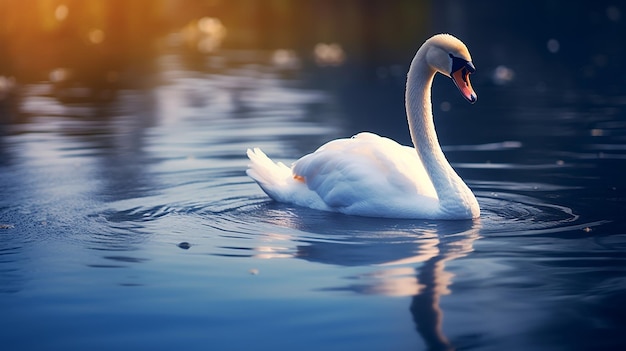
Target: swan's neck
(454,196)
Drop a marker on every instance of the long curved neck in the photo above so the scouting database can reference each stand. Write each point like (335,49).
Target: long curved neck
(450,188)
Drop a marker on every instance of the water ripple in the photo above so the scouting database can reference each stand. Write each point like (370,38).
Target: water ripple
(503,145)
(506,213)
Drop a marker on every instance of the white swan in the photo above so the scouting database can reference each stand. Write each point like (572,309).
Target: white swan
(373,176)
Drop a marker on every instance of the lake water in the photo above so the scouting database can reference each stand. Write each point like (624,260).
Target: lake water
(130,223)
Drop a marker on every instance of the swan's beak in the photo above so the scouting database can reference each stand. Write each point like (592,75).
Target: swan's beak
(462,81)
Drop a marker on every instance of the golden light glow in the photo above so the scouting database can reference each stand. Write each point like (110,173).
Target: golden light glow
(92,37)
(284,58)
(61,13)
(211,26)
(329,54)
(206,34)
(96,36)
(58,75)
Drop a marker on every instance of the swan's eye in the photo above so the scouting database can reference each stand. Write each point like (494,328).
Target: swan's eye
(459,63)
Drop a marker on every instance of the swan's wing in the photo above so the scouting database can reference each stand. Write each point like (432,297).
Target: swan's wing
(366,170)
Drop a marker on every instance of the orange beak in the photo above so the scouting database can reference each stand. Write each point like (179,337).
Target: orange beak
(461,80)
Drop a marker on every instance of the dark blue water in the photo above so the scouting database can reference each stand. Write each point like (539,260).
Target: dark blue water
(127,221)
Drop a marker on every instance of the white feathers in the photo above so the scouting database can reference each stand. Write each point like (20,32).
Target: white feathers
(278,182)
(352,176)
(369,175)
(264,170)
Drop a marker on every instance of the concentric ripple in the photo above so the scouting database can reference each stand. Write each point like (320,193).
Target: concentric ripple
(514,214)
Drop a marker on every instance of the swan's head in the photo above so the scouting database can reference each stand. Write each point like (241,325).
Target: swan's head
(449,56)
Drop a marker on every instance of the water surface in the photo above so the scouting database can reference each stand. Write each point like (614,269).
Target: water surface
(129,222)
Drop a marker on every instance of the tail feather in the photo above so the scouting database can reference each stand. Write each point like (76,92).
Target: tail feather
(270,176)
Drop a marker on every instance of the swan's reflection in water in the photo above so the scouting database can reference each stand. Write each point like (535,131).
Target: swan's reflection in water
(394,248)
(427,314)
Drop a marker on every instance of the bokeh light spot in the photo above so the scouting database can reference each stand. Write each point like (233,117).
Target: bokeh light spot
(329,54)
(553,46)
(61,12)
(96,36)
(503,75)
(613,13)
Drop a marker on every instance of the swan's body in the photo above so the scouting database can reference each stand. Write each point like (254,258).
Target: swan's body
(373,176)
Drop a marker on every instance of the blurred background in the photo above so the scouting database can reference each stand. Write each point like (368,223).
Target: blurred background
(90,49)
